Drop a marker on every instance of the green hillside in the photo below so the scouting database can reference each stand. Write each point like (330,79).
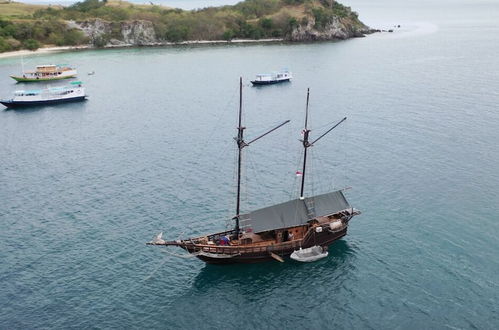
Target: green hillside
(32,26)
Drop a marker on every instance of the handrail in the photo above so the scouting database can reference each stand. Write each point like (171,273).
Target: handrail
(248,249)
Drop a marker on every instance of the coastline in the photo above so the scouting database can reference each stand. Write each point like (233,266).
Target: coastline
(46,50)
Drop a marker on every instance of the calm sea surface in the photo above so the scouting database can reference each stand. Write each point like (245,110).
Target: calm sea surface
(84,186)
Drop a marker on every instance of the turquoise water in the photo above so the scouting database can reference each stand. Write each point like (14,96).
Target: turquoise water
(84,186)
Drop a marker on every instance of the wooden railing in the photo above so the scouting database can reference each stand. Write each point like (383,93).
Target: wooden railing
(249,249)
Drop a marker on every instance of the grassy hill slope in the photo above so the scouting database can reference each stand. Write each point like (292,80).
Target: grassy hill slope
(32,26)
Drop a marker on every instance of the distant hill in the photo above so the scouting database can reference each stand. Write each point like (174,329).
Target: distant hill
(13,9)
(118,23)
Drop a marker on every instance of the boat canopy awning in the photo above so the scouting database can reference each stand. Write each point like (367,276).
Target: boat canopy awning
(294,213)
(32,92)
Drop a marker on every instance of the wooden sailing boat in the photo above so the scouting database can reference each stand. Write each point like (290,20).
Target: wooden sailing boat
(46,73)
(276,231)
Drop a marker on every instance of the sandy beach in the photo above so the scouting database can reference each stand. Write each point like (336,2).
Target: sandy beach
(46,50)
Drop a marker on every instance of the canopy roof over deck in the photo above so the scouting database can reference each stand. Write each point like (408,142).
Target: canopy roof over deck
(294,213)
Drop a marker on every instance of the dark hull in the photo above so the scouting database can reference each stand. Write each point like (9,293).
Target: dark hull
(323,239)
(269,82)
(22,104)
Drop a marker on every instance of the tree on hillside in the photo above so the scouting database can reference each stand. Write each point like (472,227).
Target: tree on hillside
(88,5)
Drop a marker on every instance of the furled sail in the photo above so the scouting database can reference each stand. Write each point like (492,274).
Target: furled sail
(294,213)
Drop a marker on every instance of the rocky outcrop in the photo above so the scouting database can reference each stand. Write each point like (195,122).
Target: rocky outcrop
(92,29)
(140,33)
(126,33)
(338,28)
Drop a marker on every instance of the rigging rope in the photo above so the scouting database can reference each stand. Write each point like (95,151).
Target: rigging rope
(311,172)
(207,140)
(155,270)
(297,180)
(323,184)
(185,256)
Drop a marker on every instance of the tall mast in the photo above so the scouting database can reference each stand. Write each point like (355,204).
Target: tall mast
(240,145)
(306,144)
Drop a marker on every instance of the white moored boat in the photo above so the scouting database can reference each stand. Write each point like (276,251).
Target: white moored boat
(47,73)
(272,78)
(25,98)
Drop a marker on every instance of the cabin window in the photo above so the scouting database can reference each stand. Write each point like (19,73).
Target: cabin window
(247,240)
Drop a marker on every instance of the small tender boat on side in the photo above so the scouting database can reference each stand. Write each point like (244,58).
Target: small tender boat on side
(54,95)
(272,78)
(310,254)
(47,73)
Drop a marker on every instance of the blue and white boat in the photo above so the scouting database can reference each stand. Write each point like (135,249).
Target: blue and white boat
(272,78)
(25,98)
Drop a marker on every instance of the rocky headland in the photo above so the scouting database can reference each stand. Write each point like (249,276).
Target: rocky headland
(142,33)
